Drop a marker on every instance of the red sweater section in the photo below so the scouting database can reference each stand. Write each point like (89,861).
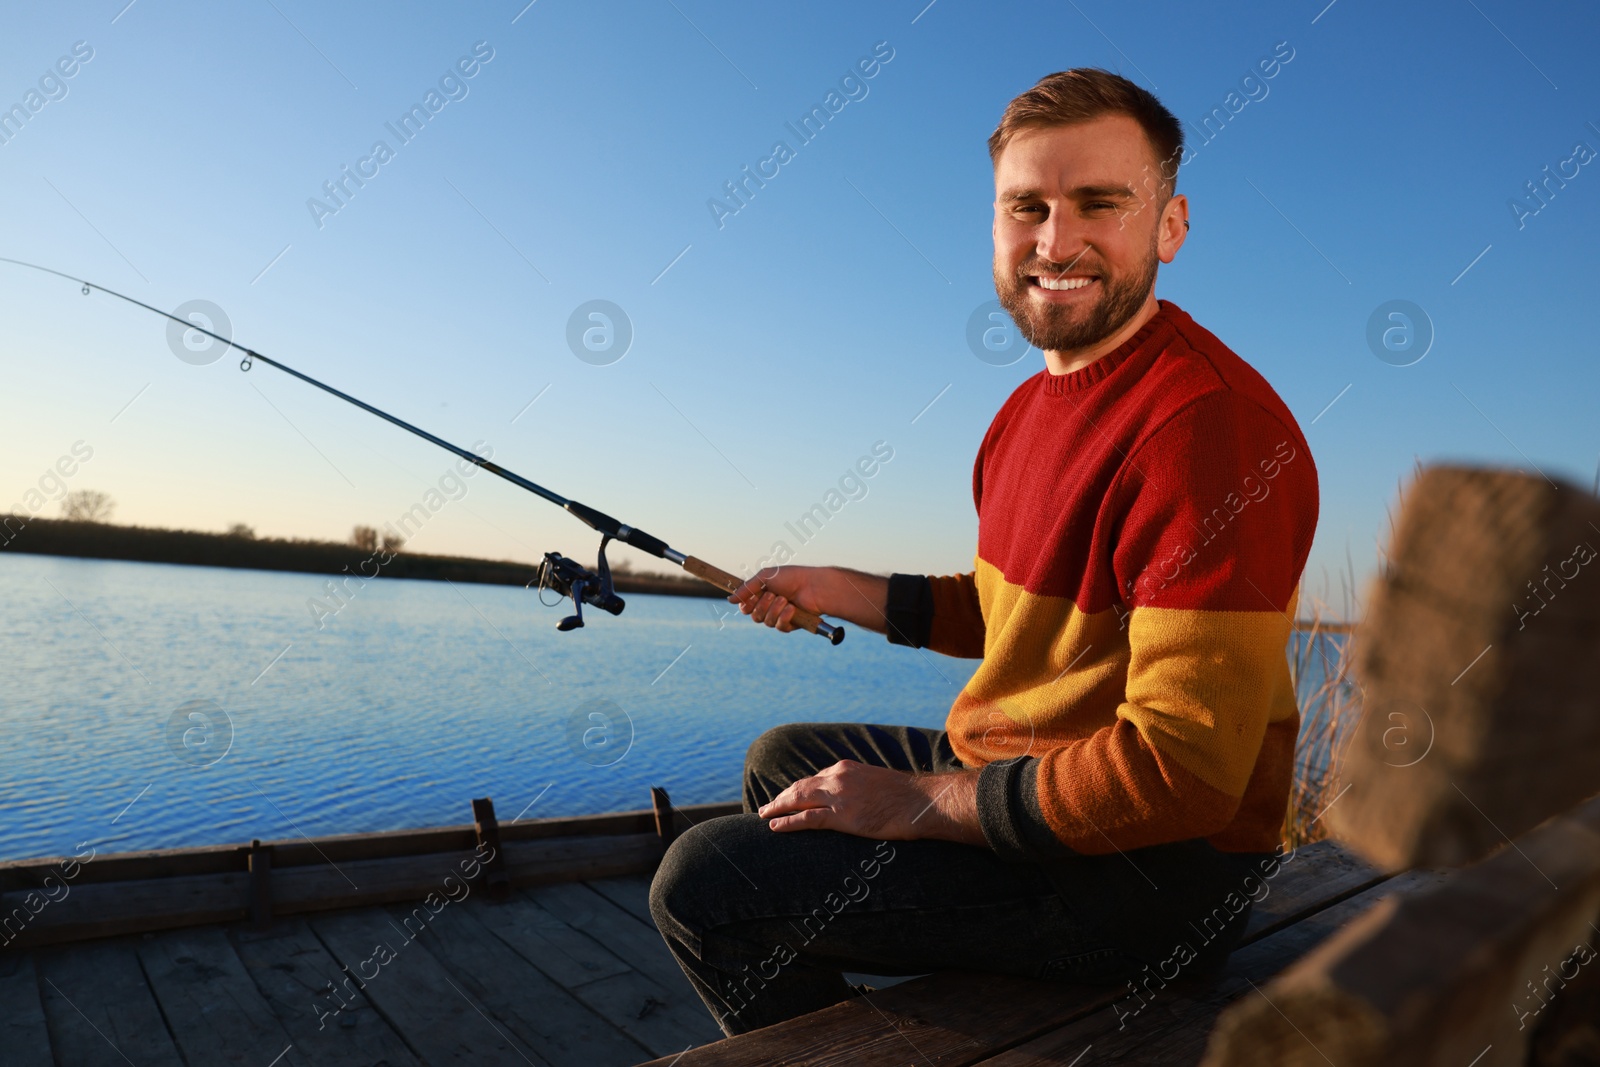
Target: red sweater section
(1143,525)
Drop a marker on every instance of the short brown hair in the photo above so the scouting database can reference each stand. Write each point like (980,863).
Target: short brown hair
(1068,97)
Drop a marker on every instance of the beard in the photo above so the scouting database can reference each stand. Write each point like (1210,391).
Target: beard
(1054,327)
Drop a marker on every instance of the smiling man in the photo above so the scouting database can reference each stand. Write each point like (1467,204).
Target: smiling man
(1106,798)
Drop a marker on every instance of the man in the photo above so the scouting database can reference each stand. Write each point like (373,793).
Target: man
(1115,774)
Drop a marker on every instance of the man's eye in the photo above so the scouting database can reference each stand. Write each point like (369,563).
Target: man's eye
(1100,205)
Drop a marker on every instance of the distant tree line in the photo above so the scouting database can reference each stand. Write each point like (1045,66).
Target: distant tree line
(239,546)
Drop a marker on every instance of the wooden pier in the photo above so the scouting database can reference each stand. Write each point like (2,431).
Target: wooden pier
(374,949)
(396,949)
(1455,921)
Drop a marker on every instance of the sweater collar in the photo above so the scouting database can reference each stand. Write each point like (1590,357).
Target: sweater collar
(1152,334)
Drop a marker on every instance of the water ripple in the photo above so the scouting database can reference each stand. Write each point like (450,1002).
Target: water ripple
(405,706)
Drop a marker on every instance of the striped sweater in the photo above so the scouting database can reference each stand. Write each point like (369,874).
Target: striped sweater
(1142,526)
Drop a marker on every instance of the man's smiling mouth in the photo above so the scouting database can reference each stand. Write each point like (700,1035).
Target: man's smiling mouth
(1061,284)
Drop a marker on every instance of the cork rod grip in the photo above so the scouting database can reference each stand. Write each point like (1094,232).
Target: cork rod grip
(803,619)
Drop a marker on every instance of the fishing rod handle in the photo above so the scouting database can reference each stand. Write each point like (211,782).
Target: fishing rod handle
(805,620)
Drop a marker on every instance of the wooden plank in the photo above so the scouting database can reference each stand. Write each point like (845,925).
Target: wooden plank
(99,1010)
(569,956)
(547,1019)
(430,1011)
(296,975)
(1308,879)
(109,909)
(114,908)
(947,1018)
(1429,978)
(24,1037)
(389,881)
(631,893)
(953,1017)
(155,863)
(1168,1025)
(574,859)
(214,1011)
(487,827)
(664,1020)
(642,947)
(366,883)
(1480,658)
(338,848)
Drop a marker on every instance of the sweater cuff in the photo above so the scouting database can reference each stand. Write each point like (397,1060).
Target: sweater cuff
(1009,813)
(909,613)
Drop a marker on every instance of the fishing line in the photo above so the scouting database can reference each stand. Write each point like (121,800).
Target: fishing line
(558,573)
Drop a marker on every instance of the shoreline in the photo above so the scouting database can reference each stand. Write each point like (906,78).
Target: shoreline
(143,544)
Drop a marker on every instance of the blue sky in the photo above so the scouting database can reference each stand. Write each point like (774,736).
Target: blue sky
(773,351)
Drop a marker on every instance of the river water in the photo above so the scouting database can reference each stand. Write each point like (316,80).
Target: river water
(149,705)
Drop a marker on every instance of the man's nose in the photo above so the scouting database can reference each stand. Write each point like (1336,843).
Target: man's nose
(1058,241)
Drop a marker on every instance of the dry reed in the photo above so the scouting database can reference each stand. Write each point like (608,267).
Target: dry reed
(1321,654)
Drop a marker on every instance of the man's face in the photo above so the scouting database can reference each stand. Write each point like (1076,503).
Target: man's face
(1080,224)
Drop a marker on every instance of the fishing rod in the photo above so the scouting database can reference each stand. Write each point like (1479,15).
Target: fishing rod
(565,576)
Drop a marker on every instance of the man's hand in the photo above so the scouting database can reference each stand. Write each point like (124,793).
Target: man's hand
(867,801)
(770,597)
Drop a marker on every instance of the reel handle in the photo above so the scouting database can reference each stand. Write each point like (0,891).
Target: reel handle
(805,620)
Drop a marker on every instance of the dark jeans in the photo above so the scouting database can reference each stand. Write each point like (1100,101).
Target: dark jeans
(764,923)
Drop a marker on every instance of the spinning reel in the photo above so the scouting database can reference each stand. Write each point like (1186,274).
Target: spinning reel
(569,578)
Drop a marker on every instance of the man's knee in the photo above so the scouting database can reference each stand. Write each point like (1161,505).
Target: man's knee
(689,885)
(667,889)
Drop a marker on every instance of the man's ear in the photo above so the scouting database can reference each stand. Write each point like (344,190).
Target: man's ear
(1173,228)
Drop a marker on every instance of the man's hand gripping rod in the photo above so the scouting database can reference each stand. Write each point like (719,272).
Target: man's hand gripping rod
(609,527)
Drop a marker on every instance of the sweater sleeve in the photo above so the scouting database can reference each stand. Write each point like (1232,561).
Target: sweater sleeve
(941,613)
(1219,508)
